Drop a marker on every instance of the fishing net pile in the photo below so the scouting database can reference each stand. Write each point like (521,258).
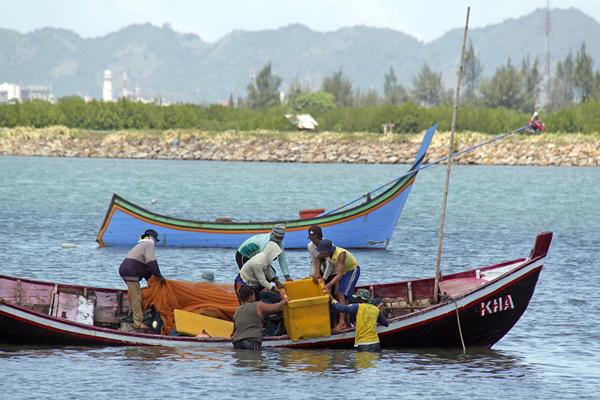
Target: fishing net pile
(210,299)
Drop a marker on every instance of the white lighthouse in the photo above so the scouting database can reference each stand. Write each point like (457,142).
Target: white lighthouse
(107,94)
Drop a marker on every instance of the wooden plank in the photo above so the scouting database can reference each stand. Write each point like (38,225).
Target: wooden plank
(19,293)
(51,299)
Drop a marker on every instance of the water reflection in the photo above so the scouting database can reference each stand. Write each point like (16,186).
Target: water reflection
(255,361)
(366,359)
(477,361)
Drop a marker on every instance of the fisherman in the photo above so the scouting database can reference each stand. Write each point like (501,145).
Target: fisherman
(257,243)
(140,263)
(258,274)
(367,315)
(346,275)
(535,125)
(318,268)
(248,319)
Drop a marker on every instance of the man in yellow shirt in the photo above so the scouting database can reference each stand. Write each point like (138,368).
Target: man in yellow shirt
(367,317)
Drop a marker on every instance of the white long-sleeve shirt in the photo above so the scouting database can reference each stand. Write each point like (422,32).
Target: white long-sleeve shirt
(257,270)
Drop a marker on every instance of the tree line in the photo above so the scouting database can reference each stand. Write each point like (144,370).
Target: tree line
(407,117)
(500,103)
(516,87)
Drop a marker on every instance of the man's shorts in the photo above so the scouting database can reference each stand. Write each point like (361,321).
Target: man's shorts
(348,282)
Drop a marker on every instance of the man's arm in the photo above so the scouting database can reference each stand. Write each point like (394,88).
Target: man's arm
(351,309)
(382,320)
(151,262)
(259,273)
(339,271)
(315,269)
(264,309)
(284,266)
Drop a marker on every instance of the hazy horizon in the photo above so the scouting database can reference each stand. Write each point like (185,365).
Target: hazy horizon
(211,22)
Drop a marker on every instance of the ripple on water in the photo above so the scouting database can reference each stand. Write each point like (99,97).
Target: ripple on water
(493,215)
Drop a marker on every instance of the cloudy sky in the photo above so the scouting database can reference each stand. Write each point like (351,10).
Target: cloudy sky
(212,19)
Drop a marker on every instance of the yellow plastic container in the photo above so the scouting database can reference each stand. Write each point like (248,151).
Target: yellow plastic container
(306,315)
(189,323)
(302,289)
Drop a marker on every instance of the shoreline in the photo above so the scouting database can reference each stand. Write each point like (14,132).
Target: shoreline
(303,147)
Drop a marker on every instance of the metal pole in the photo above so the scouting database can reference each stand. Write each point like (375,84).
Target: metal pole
(438,273)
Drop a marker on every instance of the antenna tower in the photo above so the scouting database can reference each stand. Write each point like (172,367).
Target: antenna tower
(547,36)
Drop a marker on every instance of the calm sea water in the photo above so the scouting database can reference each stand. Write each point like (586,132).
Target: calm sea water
(494,214)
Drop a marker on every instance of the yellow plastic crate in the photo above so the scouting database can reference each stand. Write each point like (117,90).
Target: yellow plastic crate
(306,315)
(189,323)
(302,288)
(307,318)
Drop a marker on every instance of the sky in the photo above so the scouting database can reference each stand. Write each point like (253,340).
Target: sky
(212,19)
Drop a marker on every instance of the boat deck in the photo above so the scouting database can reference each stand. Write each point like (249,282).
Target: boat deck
(458,286)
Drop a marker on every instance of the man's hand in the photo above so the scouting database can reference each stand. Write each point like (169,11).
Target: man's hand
(162,280)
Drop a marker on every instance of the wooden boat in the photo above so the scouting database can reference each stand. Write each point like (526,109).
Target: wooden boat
(375,219)
(481,305)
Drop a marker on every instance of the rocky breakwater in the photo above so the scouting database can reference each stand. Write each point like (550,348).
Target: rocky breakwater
(327,147)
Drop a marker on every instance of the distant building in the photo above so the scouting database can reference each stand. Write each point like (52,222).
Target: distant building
(36,92)
(107,90)
(302,121)
(9,92)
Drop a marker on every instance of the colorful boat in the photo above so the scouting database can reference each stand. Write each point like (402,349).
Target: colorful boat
(477,307)
(367,224)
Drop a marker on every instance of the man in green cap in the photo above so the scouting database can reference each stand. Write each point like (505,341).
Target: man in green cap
(366,315)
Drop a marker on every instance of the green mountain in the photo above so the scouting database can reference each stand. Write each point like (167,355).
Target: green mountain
(182,67)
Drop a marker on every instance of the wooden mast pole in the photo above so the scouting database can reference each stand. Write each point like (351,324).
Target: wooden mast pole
(438,273)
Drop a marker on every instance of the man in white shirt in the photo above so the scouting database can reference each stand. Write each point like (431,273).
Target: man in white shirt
(326,267)
(257,272)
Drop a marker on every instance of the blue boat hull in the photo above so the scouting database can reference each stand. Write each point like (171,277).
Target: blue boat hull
(368,225)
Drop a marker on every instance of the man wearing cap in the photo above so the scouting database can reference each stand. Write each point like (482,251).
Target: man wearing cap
(318,268)
(257,243)
(140,263)
(367,315)
(258,274)
(347,274)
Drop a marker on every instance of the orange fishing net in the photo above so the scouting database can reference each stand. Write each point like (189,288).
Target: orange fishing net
(213,300)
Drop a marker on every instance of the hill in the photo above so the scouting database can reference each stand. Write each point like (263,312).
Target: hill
(183,67)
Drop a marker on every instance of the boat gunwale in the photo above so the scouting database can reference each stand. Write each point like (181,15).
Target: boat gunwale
(118,201)
(269,341)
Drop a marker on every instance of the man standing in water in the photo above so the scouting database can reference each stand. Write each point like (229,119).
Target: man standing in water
(366,315)
(248,320)
(140,263)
